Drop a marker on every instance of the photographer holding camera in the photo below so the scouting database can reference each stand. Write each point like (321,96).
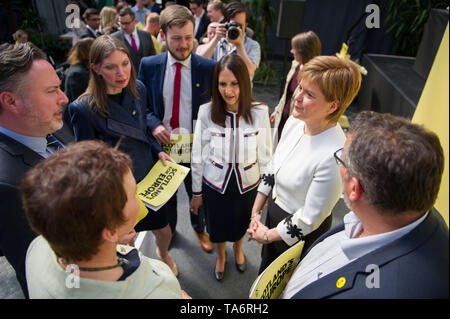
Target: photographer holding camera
(231,38)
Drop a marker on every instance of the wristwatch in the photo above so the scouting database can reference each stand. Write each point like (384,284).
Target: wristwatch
(266,239)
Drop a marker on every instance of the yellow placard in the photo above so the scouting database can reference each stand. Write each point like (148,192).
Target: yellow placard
(143,211)
(272,281)
(161,183)
(180,147)
(433,112)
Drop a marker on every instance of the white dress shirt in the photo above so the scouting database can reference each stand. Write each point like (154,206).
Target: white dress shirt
(185,114)
(338,250)
(197,21)
(135,36)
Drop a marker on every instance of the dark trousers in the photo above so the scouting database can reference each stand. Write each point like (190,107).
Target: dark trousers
(271,251)
(197,221)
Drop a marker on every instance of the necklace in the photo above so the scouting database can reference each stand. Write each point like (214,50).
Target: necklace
(120,263)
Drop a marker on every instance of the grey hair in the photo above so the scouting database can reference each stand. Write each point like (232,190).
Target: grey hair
(15,62)
(399,164)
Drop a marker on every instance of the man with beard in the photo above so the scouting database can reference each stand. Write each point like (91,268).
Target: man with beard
(31,105)
(392,244)
(178,82)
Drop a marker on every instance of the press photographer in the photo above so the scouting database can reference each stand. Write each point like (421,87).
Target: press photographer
(231,38)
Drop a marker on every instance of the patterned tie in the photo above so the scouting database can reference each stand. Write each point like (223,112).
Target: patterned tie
(175,121)
(133,43)
(53,144)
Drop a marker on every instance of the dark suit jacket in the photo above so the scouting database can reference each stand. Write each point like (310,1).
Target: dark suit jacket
(15,232)
(137,140)
(87,33)
(152,72)
(413,266)
(203,26)
(146,47)
(76,81)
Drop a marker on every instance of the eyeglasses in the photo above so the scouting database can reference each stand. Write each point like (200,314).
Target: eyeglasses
(338,157)
(125,23)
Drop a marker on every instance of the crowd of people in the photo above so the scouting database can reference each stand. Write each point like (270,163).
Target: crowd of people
(130,87)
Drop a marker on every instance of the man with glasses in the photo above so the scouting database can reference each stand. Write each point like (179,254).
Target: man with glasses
(138,42)
(392,244)
(92,19)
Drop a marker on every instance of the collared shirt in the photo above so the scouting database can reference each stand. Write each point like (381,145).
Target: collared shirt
(135,36)
(197,21)
(185,114)
(338,250)
(94,32)
(251,46)
(37,144)
(140,14)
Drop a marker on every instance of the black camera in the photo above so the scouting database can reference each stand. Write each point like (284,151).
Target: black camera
(233,29)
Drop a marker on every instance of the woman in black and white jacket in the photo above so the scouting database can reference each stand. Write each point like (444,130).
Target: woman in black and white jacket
(231,150)
(303,183)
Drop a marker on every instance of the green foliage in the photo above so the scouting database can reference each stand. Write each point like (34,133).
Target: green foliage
(261,17)
(264,74)
(405,21)
(50,43)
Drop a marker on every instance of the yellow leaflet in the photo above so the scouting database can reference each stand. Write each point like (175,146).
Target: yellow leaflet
(161,183)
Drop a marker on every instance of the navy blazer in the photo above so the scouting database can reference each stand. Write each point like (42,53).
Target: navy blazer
(127,121)
(413,266)
(15,233)
(87,33)
(152,72)
(203,26)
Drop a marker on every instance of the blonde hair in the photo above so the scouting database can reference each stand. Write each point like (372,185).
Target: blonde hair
(339,80)
(101,48)
(108,19)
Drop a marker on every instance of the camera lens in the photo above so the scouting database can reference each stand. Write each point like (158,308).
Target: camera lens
(233,33)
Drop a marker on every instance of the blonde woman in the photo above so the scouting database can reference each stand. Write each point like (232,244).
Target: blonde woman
(304,182)
(305,46)
(108,21)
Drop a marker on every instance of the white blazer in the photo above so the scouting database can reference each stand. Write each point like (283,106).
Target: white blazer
(304,178)
(240,148)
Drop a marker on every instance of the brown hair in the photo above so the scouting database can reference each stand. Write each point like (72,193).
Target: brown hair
(233,8)
(175,15)
(127,11)
(339,80)
(399,164)
(79,53)
(307,44)
(235,64)
(75,194)
(101,48)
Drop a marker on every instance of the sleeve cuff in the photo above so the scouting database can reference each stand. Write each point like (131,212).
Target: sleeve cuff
(266,183)
(289,232)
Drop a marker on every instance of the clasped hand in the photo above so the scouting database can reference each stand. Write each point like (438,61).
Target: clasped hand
(256,229)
